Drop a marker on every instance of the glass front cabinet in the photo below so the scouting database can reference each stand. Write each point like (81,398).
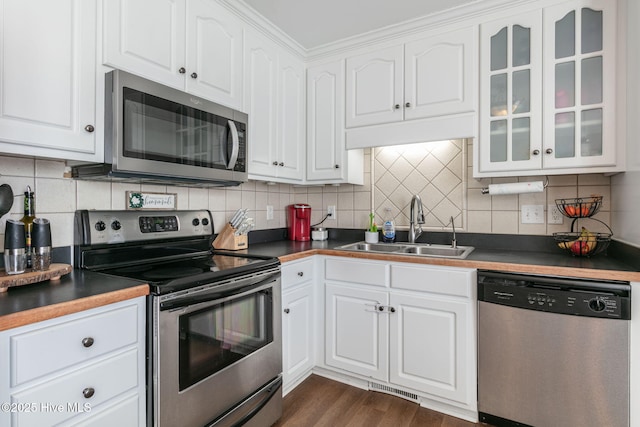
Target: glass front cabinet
(548,91)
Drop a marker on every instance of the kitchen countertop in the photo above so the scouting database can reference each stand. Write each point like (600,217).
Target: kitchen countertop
(77,291)
(82,290)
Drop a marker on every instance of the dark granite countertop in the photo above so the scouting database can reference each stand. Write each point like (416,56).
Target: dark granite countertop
(74,292)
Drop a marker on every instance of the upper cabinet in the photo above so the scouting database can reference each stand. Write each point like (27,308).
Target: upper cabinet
(423,78)
(328,160)
(48,79)
(192,45)
(275,103)
(569,126)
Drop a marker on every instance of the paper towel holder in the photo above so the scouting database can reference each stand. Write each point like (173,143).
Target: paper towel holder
(485,190)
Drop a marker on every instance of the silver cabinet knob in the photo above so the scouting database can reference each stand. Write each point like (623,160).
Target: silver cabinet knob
(408,104)
(300,273)
(536,152)
(280,164)
(337,166)
(286,311)
(275,163)
(89,128)
(548,151)
(194,75)
(397,106)
(181,70)
(392,309)
(88,392)
(87,342)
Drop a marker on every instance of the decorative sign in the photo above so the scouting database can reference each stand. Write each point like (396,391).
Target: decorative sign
(138,200)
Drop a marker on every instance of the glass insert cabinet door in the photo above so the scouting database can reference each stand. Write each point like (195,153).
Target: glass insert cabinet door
(579,87)
(511,99)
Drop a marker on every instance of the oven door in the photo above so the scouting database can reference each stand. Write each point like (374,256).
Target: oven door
(216,347)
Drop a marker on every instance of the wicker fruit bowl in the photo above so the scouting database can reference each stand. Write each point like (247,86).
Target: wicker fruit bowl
(583,243)
(581,207)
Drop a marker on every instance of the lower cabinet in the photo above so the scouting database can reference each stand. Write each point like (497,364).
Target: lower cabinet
(86,368)
(298,321)
(412,330)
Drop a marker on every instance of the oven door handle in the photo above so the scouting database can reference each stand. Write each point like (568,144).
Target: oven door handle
(215,294)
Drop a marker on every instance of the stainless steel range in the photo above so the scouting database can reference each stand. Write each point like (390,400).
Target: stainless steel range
(213,339)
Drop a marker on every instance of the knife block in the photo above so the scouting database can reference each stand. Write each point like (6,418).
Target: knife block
(227,239)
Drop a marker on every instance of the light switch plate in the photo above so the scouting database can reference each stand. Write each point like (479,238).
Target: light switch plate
(269,212)
(532,214)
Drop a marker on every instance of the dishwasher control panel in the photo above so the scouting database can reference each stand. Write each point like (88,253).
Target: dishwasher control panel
(556,295)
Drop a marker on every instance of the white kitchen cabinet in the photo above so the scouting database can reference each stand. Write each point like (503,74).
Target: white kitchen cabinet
(430,77)
(275,103)
(48,79)
(328,160)
(569,126)
(411,330)
(192,45)
(80,369)
(298,321)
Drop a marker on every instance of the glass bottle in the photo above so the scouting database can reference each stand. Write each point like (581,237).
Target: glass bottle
(27,219)
(389,227)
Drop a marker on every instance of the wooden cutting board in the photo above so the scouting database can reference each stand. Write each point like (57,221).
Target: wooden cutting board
(53,273)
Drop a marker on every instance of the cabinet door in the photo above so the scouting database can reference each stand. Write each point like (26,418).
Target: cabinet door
(261,103)
(429,346)
(510,95)
(297,333)
(440,74)
(147,38)
(48,78)
(580,58)
(214,53)
(375,87)
(291,117)
(326,151)
(357,334)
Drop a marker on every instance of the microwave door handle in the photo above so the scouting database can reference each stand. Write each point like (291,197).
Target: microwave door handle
(236,145)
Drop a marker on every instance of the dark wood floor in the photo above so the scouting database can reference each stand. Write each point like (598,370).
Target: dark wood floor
(319,401)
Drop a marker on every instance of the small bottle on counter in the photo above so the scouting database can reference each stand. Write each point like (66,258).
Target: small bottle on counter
(389,227)
(27,220)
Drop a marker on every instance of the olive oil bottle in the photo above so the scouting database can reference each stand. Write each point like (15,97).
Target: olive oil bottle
(27,219)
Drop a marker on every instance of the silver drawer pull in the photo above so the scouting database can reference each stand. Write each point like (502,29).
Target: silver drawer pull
(88,392)
(87,342)
(300,273)
(286,310)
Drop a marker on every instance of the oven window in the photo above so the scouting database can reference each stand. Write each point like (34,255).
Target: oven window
(218,336)
(162,130)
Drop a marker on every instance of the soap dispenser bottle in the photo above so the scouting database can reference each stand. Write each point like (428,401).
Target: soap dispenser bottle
(389,227)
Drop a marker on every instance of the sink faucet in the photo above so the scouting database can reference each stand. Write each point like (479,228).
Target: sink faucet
(454,244)
(413,234)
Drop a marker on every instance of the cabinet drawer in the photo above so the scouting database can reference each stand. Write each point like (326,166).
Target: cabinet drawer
(124,413)
(433,279)
(297,272)
(367,273)
(45,350)
(63,398)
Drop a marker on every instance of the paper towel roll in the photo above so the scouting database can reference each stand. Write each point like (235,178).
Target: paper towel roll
(514,188)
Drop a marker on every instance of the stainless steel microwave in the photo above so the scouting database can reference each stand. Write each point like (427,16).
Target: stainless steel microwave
(154,133)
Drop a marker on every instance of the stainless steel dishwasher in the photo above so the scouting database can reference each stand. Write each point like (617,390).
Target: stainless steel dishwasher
(552,351)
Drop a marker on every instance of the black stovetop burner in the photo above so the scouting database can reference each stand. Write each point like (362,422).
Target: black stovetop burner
(182,273)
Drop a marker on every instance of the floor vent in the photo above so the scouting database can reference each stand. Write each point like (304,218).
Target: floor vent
(393,391)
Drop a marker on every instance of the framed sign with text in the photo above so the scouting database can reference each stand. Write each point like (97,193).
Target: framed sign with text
(138,200)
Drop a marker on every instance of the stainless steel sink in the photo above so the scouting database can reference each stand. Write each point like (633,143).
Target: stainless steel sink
(426,250)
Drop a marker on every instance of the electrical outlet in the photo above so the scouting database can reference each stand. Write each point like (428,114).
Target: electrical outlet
(269,212)
(331,211)
(532,214)
(553,215)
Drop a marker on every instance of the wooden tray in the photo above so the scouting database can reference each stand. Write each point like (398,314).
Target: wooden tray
(53,273)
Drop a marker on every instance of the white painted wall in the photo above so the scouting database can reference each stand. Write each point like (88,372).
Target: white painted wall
(625,187)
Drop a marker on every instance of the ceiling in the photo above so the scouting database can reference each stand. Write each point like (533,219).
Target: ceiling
(313,23)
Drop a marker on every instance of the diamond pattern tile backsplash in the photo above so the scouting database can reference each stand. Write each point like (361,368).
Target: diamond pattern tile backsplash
(433,170)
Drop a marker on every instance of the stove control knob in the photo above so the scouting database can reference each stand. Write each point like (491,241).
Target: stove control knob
(205,221)
(596,304)
(115,225)
(100,226)
(195,222)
